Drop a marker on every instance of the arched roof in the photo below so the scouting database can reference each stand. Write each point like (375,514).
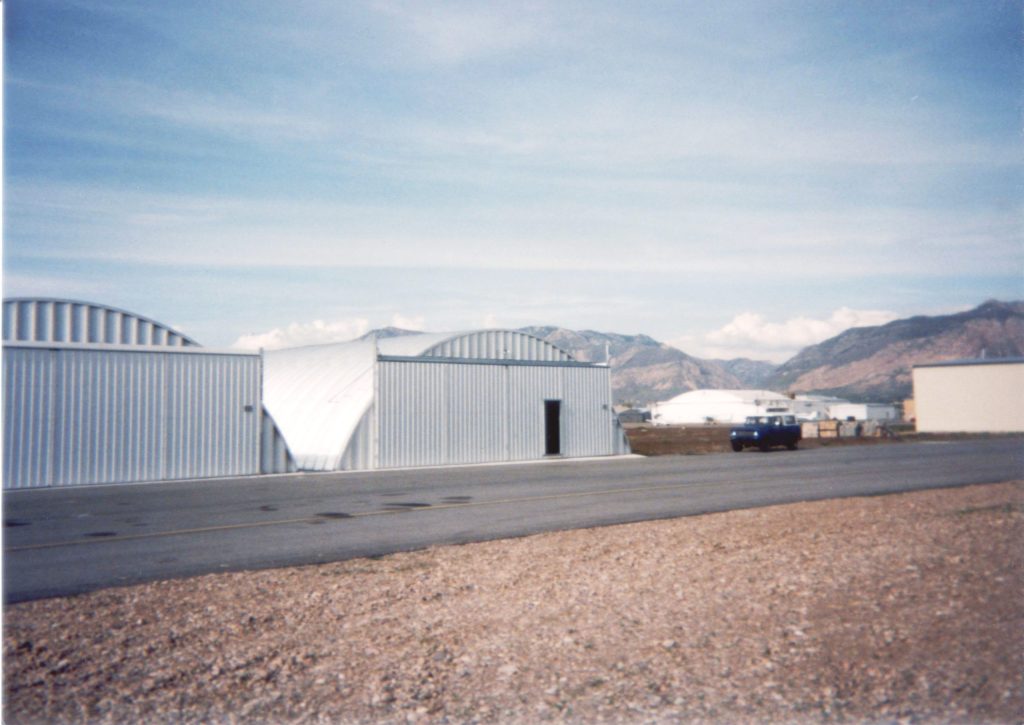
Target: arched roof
(319,394)
(726,396)
(43,319)
(475,345)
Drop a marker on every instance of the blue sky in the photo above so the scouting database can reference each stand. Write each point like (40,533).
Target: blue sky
(733,178)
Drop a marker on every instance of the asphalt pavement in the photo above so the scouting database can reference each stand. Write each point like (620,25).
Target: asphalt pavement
(67,541)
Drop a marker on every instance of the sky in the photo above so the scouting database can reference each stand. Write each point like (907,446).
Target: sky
(738,179)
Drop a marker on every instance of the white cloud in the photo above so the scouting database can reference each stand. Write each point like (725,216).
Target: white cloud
(297,334)
(749,334)
(408,322)
(453,34)
(65,220)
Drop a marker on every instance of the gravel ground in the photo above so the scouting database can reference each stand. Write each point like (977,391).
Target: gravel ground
(906,607)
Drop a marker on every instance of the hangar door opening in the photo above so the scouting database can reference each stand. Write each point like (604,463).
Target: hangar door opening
(552,427)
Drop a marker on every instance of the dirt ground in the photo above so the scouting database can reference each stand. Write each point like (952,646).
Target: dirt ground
(648,440)
(894,608)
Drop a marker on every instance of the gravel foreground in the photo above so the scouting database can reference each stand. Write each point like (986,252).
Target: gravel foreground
(897,608)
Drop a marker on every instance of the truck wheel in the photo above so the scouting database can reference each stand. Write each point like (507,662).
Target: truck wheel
(737,446)
(764,446)
(791,446)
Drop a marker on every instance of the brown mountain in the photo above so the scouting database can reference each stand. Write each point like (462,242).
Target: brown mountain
(643,369)
(874,363)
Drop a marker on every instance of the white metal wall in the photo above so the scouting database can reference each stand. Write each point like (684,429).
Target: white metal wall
(76,416)
(446,413)
(987,396)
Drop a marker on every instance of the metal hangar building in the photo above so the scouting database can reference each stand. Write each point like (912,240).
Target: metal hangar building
(439,399)
(94,394)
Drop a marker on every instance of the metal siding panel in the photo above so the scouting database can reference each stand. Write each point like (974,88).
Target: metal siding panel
(23,321)
(28,382)
(79,323)
(412,408)
(61,322)
(441,413)
(10,321)
(109,416)
(587,412)
(529,387)
(212,434)
(97,435)
(449,413)
(476,413)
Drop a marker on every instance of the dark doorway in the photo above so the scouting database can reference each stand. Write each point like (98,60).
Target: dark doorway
(552,427)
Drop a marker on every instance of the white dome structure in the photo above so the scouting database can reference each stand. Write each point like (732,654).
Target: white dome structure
(719,406)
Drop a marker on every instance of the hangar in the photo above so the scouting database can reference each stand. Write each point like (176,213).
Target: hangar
(94,394)
(439,399)
(719,406)
(976,396)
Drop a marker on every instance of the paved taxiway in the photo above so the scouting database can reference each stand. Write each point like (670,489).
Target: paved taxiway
(65,541)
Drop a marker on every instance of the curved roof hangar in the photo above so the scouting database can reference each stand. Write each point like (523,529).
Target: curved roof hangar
(319,394)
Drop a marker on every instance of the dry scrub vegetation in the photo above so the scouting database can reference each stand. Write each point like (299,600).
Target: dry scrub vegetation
(905,607)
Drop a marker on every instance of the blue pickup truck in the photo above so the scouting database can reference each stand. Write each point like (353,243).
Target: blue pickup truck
(765,432)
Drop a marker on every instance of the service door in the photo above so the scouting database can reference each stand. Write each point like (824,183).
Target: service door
(552,427)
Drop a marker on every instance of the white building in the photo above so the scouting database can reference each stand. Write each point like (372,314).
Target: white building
(816,407)
(970,396)
(733,406)
(719,406)
(94,394)
(439,399)
(864,411)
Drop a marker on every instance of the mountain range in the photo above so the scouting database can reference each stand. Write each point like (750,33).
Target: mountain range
(863,364)
(875,362)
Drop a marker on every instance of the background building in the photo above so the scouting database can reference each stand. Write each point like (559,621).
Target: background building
(970,396)
(733,406)
(94,394)
(718,406)
(439,399)
(882,412)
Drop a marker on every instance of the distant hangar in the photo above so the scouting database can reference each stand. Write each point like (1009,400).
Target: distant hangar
(94,394)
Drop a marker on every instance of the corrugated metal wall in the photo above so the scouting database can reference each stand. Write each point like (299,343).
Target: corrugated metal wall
(445,413)
(76,416)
